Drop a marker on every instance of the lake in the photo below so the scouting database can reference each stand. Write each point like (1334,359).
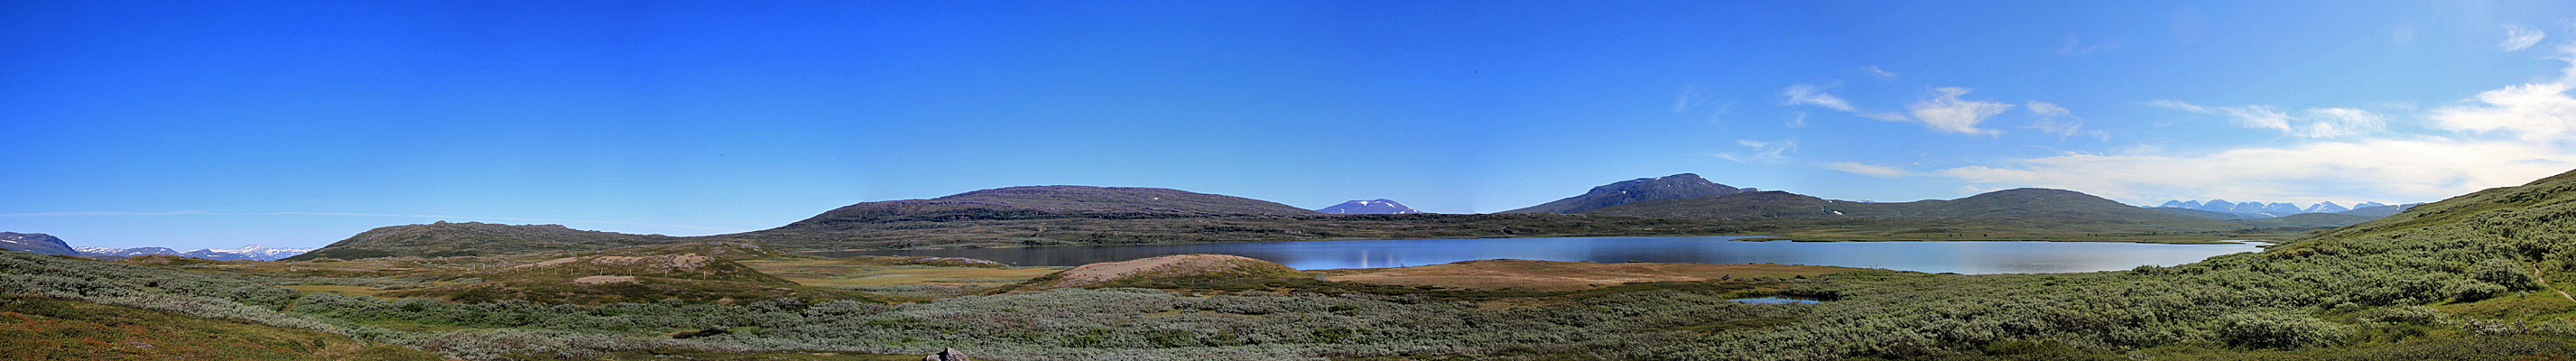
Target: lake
(1970,257)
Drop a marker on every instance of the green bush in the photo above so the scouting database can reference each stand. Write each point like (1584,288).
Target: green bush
(2277,329)
(2411,315)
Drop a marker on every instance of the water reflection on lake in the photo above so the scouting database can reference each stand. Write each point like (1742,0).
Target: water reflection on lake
(1972,257)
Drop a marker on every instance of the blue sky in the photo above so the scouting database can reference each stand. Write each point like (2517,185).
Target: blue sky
(190,124)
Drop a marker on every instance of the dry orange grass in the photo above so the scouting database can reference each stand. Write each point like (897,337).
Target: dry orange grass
(869,272)
(1564,276)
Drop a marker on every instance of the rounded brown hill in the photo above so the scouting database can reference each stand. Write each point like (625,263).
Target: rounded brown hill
(1157,268)
(445,238)
(1040,202)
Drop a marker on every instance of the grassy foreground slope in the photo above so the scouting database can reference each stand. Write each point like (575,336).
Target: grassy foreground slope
(40,328)
(2456,279)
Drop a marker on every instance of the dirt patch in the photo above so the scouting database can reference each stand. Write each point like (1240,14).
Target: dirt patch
(1565,276)
(685,262)
(593,280)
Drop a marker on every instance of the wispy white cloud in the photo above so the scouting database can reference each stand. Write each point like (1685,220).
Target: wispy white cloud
(343,214)
(1946,112)
(1881,74)
(2535,112)
(1887,116)
(2518,37)
(2054,119)
(2421,169)
(2075,46)
(1867,169)
(1693,98)
(2342,122)
(1688,97)
(2503,137)
(1803,94)
(1796,120)
(1761,151)
(2311,123)
(1719,115)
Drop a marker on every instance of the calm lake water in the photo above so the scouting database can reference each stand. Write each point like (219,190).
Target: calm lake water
(1960,257)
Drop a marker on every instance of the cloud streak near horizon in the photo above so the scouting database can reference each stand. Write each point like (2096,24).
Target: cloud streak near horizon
(2501,137)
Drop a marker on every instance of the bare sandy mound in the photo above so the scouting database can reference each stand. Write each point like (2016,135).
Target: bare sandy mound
(1174,266)
(685,262)
(1565,276)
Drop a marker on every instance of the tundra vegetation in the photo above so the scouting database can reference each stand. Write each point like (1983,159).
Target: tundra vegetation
(2474,277)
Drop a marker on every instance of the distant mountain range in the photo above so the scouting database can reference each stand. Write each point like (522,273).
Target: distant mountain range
(2015,210)
(1373,206)
(37,243)
(2257,210)
(251,252)
(1677,186)
(1681,204)
(1020,217)
(40,243)
(2026,206)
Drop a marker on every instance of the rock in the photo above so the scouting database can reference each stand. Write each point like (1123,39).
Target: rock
(946,354)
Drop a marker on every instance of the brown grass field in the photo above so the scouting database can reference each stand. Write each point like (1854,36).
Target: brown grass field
(863,272)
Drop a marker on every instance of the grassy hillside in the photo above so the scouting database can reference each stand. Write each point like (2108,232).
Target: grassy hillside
(2379,211)
(2457,279)
(40,328)
(445,239)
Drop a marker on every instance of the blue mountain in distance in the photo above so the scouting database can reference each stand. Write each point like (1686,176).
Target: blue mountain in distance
(2325,207)
(1373,206)
(37,243)
(1677,186)
(2256,210)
